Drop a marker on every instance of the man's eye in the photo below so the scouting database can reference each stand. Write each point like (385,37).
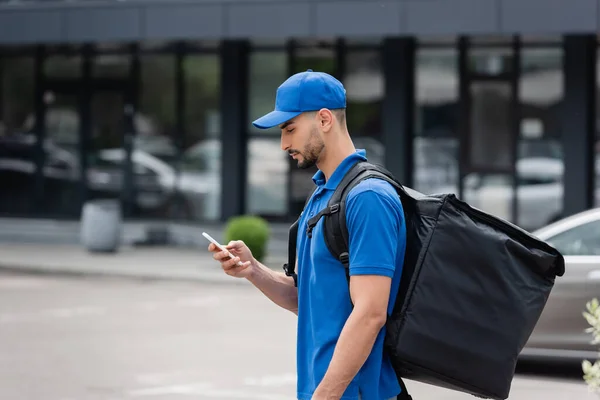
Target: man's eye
(291,130)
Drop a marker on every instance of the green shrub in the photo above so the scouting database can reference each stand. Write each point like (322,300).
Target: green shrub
(252,230)
(591,372)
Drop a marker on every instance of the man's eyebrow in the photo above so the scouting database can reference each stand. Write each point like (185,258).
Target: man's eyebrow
(286,124)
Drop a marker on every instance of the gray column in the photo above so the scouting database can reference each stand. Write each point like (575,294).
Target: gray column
(234,108)
(578,127)
(398,107)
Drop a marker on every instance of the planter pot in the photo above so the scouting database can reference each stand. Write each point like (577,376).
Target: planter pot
(101,222)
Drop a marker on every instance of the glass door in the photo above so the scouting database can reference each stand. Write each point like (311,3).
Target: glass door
(488,145)
(115,171)
(61,175)
(87,146)
(106,153)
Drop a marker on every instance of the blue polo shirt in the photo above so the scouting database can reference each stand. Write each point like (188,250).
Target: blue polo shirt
(377,236)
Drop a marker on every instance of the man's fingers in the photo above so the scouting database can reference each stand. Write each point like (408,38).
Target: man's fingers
(234,245)
(221,256)
(236,269)
(228,264)
(213,247)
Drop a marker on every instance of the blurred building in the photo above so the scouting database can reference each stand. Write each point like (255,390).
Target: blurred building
(152,102)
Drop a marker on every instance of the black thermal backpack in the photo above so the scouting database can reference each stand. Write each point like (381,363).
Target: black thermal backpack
(472,289)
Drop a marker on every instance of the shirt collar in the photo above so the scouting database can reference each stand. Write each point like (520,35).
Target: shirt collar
(340,171)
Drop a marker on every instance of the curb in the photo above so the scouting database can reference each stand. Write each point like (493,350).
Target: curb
(198,276)
(143,276)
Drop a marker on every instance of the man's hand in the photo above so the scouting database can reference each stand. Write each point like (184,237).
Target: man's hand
(241,252)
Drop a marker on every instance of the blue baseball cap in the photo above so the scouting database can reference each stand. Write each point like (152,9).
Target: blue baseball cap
(302,92)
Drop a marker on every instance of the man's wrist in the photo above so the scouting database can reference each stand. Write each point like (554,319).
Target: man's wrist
(326,394)
(254,269)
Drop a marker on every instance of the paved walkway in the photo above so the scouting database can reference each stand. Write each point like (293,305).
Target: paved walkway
(130,262)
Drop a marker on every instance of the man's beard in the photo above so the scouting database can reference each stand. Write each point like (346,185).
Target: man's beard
(312,151)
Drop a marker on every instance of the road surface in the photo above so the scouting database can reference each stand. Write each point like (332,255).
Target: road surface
(107,339)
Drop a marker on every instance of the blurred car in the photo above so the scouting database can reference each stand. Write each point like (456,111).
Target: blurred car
(199,178)
(105,178)
(106,175)
(539,192)
(560,333)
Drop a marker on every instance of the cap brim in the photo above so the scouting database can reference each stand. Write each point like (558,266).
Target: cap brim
(275,118)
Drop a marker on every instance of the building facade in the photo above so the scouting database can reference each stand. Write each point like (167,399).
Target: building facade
(151,102)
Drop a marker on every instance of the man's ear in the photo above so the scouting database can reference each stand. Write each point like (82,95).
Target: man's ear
(325,119)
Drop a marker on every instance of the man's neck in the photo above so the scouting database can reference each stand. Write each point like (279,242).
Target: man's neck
(336,152)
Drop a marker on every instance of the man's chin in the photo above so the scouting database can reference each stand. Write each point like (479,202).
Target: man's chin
(305,164)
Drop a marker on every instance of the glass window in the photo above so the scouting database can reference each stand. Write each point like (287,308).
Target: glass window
(267,177)
(541,39)
(364,88)
(316,43)
(490,61)
(434,40)
(268,42)
(107,119)
(156,45)
(364,41)
(107,139)
(17,135)
(491,193)
(62,161)
(490,122)
(156,119)
(436,121)
(268,70)
(199,180)
(491,39)
(583,240)
(203,45)
(111,47)
(318,58)
(111,66)
(268,165)
(540,160)
(156,139)
(63,66)
(62,119)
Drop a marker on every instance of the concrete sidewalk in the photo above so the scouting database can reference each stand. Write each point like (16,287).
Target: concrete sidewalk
(130,262)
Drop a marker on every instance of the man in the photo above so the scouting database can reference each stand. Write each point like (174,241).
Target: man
(340,328)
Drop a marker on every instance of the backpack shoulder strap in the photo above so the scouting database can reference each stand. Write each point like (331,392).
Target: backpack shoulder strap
(290,267)
(332,211)
(335,228)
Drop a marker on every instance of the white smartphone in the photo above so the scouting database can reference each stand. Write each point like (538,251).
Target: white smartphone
(219,245)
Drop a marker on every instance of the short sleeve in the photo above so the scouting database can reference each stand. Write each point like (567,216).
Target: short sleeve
(375,222)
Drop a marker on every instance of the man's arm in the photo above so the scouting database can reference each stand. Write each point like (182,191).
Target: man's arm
(370,295)
(277,286)
(374,217)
